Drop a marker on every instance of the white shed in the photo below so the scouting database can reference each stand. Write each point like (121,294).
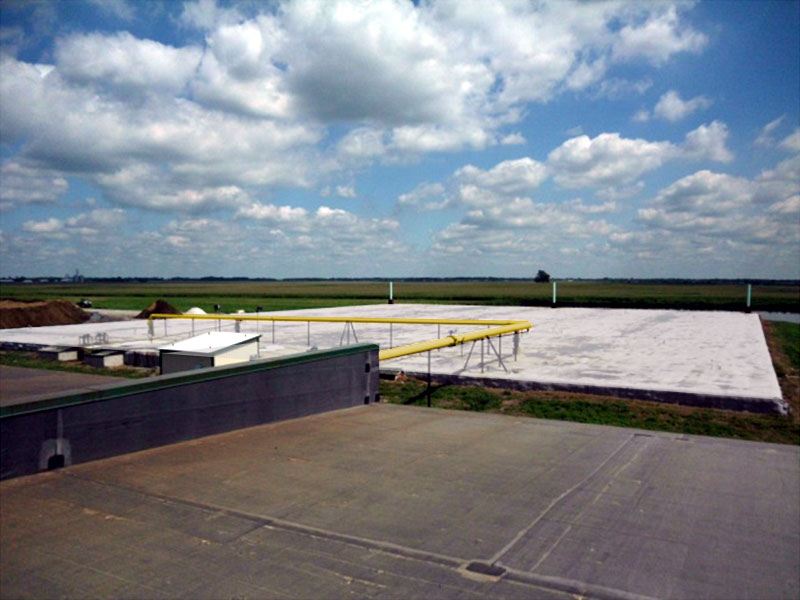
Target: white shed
(211,349)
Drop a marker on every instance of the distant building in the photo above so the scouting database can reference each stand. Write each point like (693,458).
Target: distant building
(76,278)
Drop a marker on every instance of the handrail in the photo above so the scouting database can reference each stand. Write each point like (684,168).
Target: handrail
(501,327)
(303,318)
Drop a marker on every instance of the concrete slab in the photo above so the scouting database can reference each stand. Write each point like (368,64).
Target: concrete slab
(717,358)
(387,501)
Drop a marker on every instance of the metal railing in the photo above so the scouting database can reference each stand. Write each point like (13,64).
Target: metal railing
(495,328)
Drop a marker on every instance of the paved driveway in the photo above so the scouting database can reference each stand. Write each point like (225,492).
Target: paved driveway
(387,501)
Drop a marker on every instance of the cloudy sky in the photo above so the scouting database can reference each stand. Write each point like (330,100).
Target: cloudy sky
(387,138)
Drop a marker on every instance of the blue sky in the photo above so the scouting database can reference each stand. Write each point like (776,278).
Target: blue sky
(349,139)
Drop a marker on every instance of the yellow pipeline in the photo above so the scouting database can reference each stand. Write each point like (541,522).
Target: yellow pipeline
(453,340)
(501,327)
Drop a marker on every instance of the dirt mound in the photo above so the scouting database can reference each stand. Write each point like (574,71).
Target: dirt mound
(21,313)
(159,306)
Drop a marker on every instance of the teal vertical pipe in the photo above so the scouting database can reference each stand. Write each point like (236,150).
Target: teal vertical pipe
(749,295)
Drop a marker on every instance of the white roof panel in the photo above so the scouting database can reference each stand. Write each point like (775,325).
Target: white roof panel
(211,342)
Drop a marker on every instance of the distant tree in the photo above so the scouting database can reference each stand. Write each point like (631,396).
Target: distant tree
(542,277)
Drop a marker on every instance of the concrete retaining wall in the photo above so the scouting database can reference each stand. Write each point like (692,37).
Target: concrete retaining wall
(64,429)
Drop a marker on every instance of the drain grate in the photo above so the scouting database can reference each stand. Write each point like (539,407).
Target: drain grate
(485,569)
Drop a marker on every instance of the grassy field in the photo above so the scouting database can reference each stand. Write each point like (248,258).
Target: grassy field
(788,335)
(285,295)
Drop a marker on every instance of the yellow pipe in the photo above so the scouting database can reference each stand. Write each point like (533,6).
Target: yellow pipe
(453,340)
(501,327)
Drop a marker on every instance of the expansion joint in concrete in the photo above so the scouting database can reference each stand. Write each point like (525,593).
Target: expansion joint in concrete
(559,499)
(278,523)
(580,589)
(479,570)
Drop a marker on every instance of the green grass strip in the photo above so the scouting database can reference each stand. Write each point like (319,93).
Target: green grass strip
(788,335)
(598,410)
(30,360)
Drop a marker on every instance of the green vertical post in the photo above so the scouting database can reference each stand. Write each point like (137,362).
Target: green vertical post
(555,293)
(749,295)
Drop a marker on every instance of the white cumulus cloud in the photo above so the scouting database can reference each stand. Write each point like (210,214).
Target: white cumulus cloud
(507,177)
(658,37)
(709,141)
(51,225)
(271,212)
(610,160)
(792,141)
(606,160)
(673,108)
(121,61)
(21,185)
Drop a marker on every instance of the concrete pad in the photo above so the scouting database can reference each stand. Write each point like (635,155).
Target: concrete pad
(387,501)
(709,358)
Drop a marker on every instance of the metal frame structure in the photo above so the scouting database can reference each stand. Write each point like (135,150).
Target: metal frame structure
(494,328)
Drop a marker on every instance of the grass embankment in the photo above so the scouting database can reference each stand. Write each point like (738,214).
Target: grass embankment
(784,341)
(30,360)
(285,295)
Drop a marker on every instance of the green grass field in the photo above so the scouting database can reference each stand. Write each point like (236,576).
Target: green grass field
(599,410)
(285,295)
(788,335)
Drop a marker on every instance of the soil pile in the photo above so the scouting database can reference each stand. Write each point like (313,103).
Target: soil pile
(21,313)
(161,307)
